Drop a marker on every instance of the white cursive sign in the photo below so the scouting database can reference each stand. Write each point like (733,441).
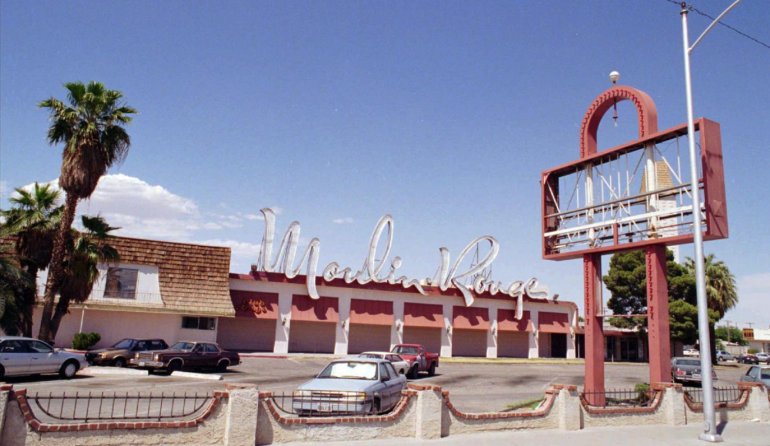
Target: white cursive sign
(448,274)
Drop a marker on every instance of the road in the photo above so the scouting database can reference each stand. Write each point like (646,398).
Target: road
(474,385)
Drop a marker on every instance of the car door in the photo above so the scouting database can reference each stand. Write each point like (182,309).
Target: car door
(14,357)
(42,357)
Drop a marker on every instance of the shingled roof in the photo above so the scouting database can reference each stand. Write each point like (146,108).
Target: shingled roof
(194,279)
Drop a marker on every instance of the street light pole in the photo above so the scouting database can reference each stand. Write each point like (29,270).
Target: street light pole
(709,432)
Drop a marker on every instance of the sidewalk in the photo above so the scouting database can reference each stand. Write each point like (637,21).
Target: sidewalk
(734,433)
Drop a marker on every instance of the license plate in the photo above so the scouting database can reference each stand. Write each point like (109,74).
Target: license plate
(324,407)
(141,363)
(696,375)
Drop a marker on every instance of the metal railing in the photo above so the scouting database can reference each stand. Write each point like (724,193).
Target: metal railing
(620,397)
(330,403)
(125,407)
(721,394)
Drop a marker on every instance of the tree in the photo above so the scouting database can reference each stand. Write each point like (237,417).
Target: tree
(86,250)
(721,292)
(731,334)
(13,283)
(33,221)
(627,282)
(91,128)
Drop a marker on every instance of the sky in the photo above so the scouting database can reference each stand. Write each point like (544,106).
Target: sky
(441,114)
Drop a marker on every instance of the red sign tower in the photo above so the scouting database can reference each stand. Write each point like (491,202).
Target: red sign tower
(634,196)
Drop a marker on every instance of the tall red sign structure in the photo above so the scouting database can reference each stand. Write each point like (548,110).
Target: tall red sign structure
(634,196)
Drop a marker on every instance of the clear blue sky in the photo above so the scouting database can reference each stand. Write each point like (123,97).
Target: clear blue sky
(442,114)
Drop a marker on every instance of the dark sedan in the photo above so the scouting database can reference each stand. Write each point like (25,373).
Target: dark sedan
(187,355)
(687,370)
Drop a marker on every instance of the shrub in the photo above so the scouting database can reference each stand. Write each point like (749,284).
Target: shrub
(643,392)
(84,341)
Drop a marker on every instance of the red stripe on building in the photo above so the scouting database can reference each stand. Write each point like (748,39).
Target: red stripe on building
(506,321)
(423,315)
(325,309)
(255,304)
(371,312)
(553,322)
(470,318)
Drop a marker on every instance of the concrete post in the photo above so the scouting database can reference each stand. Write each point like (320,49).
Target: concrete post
(672,404)
(429,405)
(241,415)
(569,408)
(5,392)
(758,403)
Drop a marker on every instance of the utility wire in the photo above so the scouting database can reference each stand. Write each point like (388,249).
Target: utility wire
(694,9)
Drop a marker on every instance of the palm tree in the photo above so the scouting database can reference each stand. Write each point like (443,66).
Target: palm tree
(91,128)
(13,282)
(33,221)
(721,292)
(87,250)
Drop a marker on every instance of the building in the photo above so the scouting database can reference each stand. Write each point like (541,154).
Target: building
(758,338)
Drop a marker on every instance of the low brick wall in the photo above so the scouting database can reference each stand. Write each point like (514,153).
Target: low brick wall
(241,416)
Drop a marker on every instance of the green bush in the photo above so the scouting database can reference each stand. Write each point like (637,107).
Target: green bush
(643,392)
(84,341)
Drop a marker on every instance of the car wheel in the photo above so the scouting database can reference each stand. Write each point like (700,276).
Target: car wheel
(376,406)
(432,369)
(69,369)
(175,365)
(222,365)
(413,372)
(119,362)
(2,372)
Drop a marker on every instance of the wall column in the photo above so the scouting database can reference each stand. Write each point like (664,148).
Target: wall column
(283,323)
(343,327)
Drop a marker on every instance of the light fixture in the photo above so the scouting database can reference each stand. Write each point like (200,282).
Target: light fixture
(399,325)
(614,77)
(494,330)
(449,329)
(284,320)
(343,324)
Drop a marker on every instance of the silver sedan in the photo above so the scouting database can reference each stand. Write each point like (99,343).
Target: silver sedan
(27,356)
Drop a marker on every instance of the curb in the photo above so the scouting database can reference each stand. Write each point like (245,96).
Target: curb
(210,376)
(97,370)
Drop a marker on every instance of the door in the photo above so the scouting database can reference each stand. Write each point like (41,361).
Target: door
(558,345)
(43,359)
(15,357)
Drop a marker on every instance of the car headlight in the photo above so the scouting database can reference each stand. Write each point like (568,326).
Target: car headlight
(357,396)
(103,355)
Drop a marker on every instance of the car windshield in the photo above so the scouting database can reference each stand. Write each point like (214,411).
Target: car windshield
(687,362)
(123,343)
(370,355)
(350,370)
(405,350)
(186,346)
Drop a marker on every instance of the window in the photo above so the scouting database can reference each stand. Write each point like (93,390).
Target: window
(38,347)
(121,283)
(210,348)
(384,372)
(198,323)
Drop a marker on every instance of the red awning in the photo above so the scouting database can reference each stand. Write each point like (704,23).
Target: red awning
(470,318)
(325,309)
(371,312)
(255,304)
(553,322)
(423,315)
(506,321)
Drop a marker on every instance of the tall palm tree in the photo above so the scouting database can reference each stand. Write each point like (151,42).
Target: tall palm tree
(33,221)
(13,282)
(721,292)
(91,128)
(87,250)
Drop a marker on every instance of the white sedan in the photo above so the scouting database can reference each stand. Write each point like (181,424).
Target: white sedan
(398,362)
(28,356)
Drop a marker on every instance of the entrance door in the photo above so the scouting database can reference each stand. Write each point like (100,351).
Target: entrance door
(558,345)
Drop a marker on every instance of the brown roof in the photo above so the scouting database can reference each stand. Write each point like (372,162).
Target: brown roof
(193,278)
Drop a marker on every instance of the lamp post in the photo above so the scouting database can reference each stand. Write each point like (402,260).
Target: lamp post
(709,432)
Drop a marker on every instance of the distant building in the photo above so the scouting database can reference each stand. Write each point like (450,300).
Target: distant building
(758,338)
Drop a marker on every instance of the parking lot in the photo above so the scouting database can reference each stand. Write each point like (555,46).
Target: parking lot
(474,385)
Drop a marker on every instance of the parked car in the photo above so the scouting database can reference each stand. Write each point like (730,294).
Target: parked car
(687,370)
(186,355)
(748,358)
(399,363)
(763,357)
(691,352)
(122,351)
(350,386)
(29,356)
(724,356)
(758,374)
(419,359)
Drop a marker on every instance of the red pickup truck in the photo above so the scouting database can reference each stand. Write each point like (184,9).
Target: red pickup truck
(418,358)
